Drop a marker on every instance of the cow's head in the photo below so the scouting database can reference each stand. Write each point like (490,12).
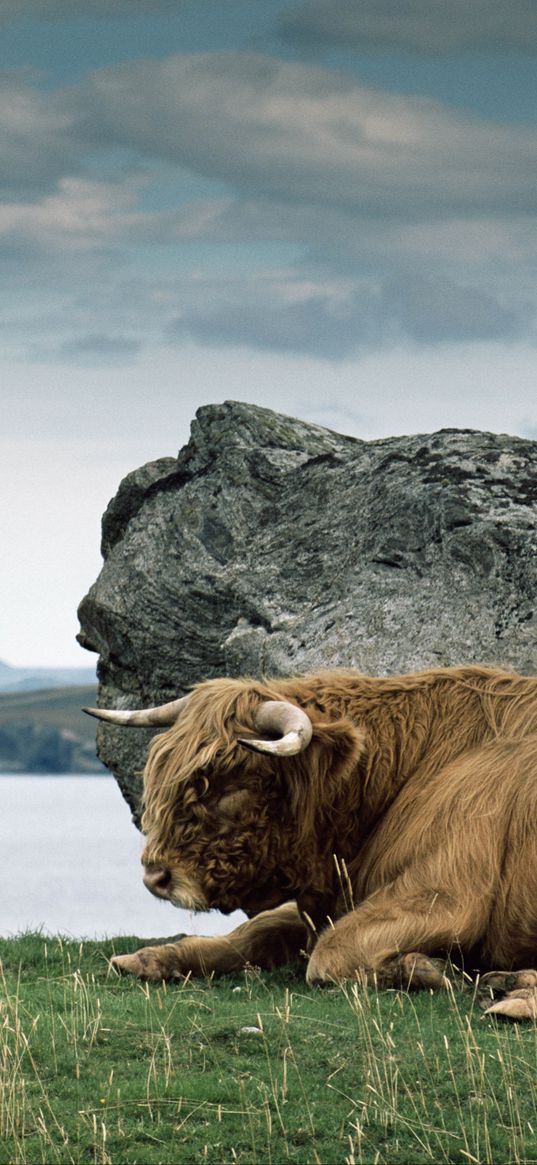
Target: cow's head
(246,797)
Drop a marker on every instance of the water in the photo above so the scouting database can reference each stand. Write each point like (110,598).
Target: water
(71,864)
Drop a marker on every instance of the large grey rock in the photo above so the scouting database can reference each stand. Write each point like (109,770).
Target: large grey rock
(273,546)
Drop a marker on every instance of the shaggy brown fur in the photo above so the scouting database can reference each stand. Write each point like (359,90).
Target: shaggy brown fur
(407,828)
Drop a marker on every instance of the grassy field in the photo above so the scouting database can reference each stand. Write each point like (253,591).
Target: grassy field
(56,707)
(45,731)
(252,1068)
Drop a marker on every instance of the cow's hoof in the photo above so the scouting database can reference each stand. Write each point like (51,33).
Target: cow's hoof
(144,964)
(512,994)
(414,970)
(520,1004)
(508,980)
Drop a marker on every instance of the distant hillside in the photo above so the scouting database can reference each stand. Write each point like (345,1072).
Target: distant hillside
(31,679)
(46,731)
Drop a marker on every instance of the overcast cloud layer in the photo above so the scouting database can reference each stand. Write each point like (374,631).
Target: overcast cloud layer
(361,217)
(419,26)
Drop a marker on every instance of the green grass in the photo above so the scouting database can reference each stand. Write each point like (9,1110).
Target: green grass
(96,1068)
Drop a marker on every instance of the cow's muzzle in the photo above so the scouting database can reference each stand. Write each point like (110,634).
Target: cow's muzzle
(158,881)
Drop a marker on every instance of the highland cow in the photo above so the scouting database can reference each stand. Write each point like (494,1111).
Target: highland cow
(378,825)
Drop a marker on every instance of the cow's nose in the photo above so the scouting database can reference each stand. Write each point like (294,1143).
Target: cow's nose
(157,881)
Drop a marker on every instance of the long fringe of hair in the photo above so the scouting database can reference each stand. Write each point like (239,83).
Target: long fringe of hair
(402,722)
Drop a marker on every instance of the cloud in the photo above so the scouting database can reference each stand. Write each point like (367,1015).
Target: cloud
(394,218)
(38,141)
(417,26)
(339,237)
(307,135)
(272,317)
(97,349)
(435,310)
(279,134)
(336,319)
(80,214)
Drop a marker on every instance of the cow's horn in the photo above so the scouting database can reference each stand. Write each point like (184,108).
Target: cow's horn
(164,715)
(291,722)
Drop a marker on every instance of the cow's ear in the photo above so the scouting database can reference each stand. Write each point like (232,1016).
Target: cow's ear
(234,803)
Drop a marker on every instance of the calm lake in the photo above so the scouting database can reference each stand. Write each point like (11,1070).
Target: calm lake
(71,864)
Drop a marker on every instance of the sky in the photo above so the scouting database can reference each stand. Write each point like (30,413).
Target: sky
(326,207)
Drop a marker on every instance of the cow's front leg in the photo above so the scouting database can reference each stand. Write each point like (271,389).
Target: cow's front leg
(269,940)
(389,942)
